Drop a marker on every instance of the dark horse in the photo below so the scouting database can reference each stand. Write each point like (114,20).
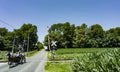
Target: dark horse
(14,60)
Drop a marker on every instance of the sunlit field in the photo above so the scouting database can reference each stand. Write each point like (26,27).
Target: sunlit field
(70,53)
(67,56)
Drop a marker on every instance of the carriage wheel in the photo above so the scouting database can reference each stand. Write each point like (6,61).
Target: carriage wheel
(24,59)
(10,64)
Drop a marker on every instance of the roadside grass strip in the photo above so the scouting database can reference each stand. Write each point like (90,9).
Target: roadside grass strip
(58,67)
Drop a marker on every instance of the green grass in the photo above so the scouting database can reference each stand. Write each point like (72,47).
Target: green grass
(79,50)
(68,54)
(31,53)
(3,55)
(58,67)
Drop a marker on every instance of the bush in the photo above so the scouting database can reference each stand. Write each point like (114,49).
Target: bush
(106,61)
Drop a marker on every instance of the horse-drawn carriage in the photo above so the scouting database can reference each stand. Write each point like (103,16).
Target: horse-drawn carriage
(15,59)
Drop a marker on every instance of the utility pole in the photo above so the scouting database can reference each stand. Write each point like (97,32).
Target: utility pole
(13,44)
(28,43)
(48,39)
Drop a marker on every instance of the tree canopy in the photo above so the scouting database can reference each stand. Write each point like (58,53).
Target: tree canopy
(27,32)
(67,36)
(70,36)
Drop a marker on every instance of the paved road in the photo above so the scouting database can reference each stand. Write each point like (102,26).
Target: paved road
(34,64)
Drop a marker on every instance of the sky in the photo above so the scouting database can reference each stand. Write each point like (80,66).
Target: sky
(43,13)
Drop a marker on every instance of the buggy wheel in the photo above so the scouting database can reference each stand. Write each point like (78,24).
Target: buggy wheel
(24,59)
(10,65)
(8,62)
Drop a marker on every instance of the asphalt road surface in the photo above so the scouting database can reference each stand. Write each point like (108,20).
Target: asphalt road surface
(34,64)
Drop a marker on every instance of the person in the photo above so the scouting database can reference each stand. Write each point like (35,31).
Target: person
(8,54)
(18,54)
(18,57)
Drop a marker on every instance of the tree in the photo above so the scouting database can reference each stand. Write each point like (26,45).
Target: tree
(39,46)
(25,35)
(80,38)
(62,33)
(96,31)
(8,40)
(5,39)
(68,33)
(112,37)
(27,32)
(3,31)
(68,36)
(55,34)
(1,43)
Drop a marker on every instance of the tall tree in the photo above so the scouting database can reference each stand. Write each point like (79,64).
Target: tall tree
(62,33)
(3,31)
(80,38)
(68,33)
(96,31)
(27,32)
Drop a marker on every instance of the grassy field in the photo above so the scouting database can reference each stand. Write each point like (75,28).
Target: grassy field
(68,54)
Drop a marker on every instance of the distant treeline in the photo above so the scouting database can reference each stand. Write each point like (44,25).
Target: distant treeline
(71,36)
(25,36)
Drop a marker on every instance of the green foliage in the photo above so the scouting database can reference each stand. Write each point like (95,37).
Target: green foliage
(39,46)
(27,30)
(1,43)
(21,37)
(62,33)
(3,31)
(96,31)
(80,39)
(68,36)
(106,61)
